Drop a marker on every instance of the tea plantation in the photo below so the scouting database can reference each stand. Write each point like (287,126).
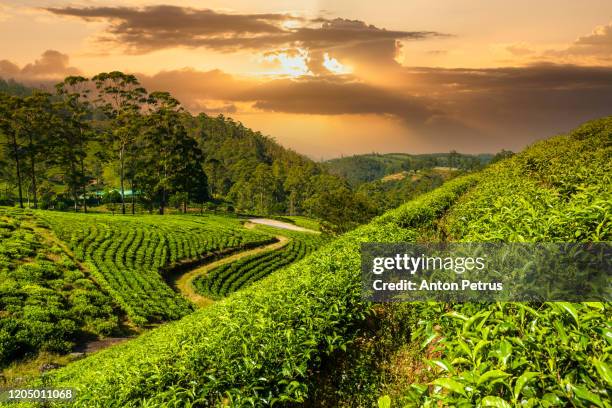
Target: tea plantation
(46,301)
(285,338)
(234,276)
(127,255)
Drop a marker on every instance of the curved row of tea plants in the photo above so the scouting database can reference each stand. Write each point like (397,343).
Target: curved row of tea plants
(510,354)
(229,278)
(46,302)
(126,254)
(260,345)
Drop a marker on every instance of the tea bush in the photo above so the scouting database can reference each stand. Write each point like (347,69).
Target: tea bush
(231,277)
(42,304)
(551,354)
(259,345)
(126,255)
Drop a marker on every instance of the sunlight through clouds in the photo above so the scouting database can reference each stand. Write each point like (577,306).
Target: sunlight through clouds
(334,66)
(290,62)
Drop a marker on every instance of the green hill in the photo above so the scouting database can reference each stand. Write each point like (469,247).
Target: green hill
(364,168)
(305,334)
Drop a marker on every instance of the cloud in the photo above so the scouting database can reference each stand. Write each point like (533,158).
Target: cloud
(519,49)
(595,46)
(335,96)
(518,104)
(441,105)
(143,30)
(51,66)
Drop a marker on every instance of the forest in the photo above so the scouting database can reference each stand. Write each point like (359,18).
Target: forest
(107,144)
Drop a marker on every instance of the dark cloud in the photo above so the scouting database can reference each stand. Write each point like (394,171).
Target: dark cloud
(516,103)
(52,65)
(329,95)
(334,95)
(146,29)
(544,76)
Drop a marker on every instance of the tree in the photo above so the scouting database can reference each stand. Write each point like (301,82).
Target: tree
(173,157)
(501,155)
(453,159)
(337,205)
(75,133)
(264,187)
(13,142)
(120,97)
(34,119)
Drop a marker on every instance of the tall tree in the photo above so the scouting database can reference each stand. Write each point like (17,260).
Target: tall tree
(8,107)
(121,98)
(34,119)
(75,109)
(173,156)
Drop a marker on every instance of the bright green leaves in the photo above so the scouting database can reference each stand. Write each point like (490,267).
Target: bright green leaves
(523,355)
(521,382)
(451,385)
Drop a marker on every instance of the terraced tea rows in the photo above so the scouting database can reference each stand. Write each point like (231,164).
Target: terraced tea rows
(46,302)
(126,255)
(229,278)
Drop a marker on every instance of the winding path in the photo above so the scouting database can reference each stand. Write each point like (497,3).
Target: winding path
(185,283)
(280,224)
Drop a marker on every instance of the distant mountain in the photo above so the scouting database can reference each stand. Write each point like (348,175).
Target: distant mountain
(364,168)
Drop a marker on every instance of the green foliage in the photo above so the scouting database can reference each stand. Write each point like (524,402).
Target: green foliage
(551,354)
(260,345)
(364,168)
(14,88)
(46,302)
(389,194)
(229,278)
(513,354)
(127,256)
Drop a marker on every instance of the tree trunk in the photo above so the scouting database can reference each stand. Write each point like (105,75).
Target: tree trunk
(17,165)
(133,198)
(185,207)
(162,202)
(33,169)
(84,186)
(121,166)
(74,188)
(75,193)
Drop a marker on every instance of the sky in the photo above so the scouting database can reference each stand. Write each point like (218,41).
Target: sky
(339,77)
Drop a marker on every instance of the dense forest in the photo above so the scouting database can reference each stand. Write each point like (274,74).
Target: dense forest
(108,143)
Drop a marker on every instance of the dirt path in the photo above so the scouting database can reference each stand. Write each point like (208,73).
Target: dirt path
(185,283)
(280,224)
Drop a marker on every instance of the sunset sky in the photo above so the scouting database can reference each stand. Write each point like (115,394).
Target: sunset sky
(331,78)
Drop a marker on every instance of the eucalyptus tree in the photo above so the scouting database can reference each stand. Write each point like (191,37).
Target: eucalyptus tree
(121,98)
(173,156)
(13,143)
(75,110)
(34,119)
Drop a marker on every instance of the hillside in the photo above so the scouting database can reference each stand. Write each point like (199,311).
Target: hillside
(251,170)
(305,334)
(364,168)
(85,149)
